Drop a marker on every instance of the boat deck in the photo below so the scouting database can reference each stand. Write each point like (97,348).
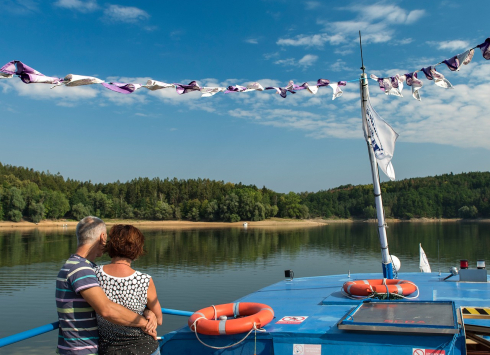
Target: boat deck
(316,306)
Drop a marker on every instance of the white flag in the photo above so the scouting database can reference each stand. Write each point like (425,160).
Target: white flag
(424,263)
(383,139)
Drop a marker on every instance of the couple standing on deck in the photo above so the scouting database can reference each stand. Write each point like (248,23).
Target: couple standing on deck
(110,309)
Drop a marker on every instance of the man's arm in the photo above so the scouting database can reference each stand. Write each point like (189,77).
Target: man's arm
(111,311)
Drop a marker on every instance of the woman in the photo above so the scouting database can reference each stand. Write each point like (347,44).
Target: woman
(129,288)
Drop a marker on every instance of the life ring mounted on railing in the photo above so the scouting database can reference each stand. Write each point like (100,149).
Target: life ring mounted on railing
(368,288)
(251,315)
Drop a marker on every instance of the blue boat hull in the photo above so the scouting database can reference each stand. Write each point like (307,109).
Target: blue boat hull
(319,300)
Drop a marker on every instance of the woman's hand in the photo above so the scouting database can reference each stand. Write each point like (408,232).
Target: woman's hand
(153,333)
(151,326)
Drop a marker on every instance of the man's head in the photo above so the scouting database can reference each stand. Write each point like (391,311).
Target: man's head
(92,232)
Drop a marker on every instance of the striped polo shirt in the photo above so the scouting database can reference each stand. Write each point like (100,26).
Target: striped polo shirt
(78,332)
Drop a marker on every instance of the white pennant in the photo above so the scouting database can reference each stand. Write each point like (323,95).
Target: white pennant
(383,139)
(424,262)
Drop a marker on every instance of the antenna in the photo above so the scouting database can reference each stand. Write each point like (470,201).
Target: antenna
(362,59)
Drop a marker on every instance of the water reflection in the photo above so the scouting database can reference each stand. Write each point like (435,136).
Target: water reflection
(195,268)
(210,249)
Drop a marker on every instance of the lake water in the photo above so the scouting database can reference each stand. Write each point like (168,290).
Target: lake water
(193,269)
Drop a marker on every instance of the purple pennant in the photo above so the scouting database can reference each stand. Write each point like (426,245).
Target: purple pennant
(410,78)
(322,82)
(342,83)
(27,74)
(9,68)
(281,91)
(293,86)
(385,84)
(428,72)
(452,63)
(122,88)
(394,81)
(39,79)
(485,49)
(391,85)
(236,88)
(18,68)
(184,89)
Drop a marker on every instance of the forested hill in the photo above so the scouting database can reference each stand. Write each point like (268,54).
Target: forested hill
(32,195)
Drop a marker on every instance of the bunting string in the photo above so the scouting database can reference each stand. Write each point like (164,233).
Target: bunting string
(30,75)
(390,85)
(394,85)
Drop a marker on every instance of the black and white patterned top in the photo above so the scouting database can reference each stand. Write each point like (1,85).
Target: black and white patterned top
(130,292)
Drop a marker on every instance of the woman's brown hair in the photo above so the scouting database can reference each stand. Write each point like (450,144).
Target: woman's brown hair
(125,241)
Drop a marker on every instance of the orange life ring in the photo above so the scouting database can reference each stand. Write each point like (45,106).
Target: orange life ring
(368,287)
(207,320)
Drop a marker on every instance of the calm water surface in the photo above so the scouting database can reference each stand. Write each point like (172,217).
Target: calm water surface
(193,269)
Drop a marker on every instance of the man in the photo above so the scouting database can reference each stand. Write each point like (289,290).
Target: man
(79,296)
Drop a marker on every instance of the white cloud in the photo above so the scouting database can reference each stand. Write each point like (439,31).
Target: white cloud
(447,117)
(124,99)
(21,7)
(286,62)
(312,5)
(451,45)
(307,60)
(404,41)
(176,35)
(316,125)
(78,5)
(252,41)
(317,40)
(63,95)
(414,15)
(388,13)
(455,117)
(377,22)
(126,14)
(339,65)
(271,55)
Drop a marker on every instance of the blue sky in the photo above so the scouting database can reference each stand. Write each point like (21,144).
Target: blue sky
(302,143)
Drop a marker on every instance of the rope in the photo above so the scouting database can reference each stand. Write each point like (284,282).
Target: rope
(227,346)
(387,289)
(255,341)
(453,342)
(215,312)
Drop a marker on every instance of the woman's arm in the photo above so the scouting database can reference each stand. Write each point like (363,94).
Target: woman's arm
(153,303)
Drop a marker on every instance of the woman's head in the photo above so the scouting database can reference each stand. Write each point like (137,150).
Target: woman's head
(125,241)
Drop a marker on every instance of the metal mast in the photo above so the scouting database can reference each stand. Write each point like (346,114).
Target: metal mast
(385,254)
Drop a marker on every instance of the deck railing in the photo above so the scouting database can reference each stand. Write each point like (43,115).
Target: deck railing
(52,326)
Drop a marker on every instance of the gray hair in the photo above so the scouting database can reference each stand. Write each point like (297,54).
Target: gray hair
(89,229)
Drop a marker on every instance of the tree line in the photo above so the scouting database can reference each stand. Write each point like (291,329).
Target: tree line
(32,195)
(464,195)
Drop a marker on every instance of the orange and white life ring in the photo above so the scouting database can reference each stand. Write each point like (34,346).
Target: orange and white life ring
(368,287)
(207,320)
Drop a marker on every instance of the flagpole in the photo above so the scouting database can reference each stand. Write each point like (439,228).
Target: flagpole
(385,254)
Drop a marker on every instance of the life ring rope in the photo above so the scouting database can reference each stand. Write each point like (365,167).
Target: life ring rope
(227,346)
(373,293)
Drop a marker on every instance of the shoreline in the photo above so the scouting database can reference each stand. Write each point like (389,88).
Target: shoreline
(277,223)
